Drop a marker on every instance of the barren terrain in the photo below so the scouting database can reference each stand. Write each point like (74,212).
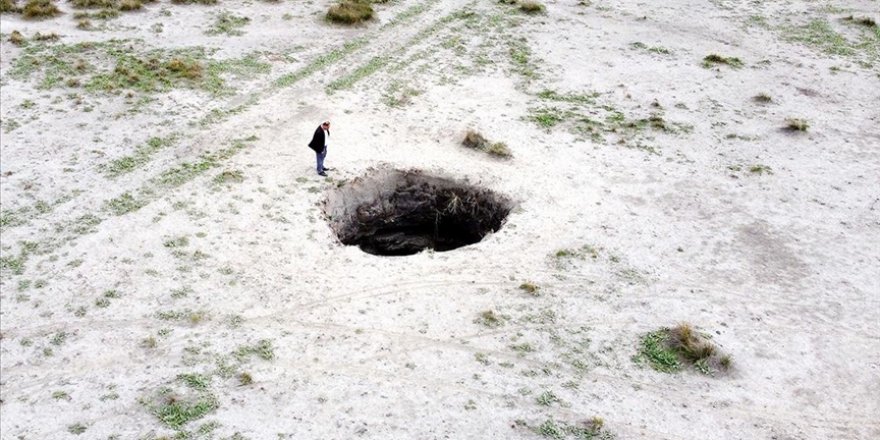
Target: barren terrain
(168,269)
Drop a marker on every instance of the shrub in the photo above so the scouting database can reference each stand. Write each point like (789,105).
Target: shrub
(531,7)
(350,12)
(40,9)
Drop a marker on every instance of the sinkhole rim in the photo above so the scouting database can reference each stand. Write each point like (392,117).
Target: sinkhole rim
(394,212)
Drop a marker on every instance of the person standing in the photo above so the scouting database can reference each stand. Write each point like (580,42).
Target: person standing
(319,143)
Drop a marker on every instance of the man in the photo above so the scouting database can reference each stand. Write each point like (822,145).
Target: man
(319,144)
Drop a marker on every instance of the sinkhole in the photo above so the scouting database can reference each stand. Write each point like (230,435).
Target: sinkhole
(395,212)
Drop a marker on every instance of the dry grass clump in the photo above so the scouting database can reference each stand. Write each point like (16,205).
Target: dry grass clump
(130,5)
(762,98)
(530,288)
(350,12)
(864,21)
(52,36)
(476,141)
(671,349)
(9,6)
(93,4)
(796,124)
(40,9)
(16,38)
(189,2)
(531,7)
(715,59)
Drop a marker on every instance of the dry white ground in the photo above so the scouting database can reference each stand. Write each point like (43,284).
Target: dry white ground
(130,266)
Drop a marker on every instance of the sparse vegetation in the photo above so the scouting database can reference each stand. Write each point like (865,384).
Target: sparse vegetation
(350,11)
(490,319)
(587,430)
(142,155)
(228,24)
(262,349)
(669,350)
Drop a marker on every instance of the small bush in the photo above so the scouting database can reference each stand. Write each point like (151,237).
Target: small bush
(350,12)
(531,7)
(84,25)
(715,59)
(796,124)
(40,9)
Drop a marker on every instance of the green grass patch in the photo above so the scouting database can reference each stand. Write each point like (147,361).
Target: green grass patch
(141,156)
(228,24)
(133,69)
(262,349)
(124,204)
(670,350)
(347,81)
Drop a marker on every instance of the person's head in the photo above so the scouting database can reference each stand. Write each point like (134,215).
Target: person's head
(325,125)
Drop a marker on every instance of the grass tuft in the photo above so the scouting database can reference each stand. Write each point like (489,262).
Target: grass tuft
(762,98)
(490,319)
(474,140)
(668,350)
(531,7)
(40,9)
(350,12)
(9,6)
(796,124)
(715,59)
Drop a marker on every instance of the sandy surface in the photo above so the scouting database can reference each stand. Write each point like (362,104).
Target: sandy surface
(768,240)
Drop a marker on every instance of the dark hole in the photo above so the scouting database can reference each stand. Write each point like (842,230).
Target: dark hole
(402,213)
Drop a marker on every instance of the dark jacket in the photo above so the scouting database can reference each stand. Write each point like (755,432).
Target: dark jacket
(317,142)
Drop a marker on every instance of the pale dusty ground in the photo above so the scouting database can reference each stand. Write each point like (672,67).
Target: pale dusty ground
(782,268)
